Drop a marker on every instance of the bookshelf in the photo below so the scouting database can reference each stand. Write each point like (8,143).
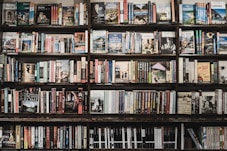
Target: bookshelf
(109,81)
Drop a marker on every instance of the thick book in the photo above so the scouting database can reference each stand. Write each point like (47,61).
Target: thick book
(140,13)
(9,14)
(98,13)
(43,16)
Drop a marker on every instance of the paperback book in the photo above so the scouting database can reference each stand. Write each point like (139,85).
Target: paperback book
(9,41)
(163,11)
(98,12)
(23,10)
(43,14)
(9,14)
(68,15)
(218,12)
(114,42)
(97,101)
(62,71)
(112,12)
(187,42)
(140,12)
(99,41)
(167,42)
(188,13)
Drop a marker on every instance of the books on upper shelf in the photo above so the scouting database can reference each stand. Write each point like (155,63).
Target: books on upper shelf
(23,11)
(218,12)
(112,12)
(9,14)
(140,13)
(187,42)
(188,16)
(115,42)
(98,12)
(68,15)
(167,42)
(29,98)
(43,16)
(163,11)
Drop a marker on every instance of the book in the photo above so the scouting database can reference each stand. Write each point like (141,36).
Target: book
(121,71)
(187,42)
(207,103)
(96,101)
(140,13)
(167,42)
(218,12)
(68,15)
(149,43)
(112,12)
(184,103)
(80,42)
(188,13)
(74,102)
(43,16)
(9,41)
(28,72)
(114,42)
(99,41)
(209,42)
(29,98)
(98,12)
(159,72)
(222,43)
(203,70)
(194,138)
(23,10)
(62,71)
(9,14)
(222,71)
(163,12)
(26,40)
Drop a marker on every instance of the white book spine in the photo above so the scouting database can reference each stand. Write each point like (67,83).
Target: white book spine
(180,72)
(121,11)
(196,73)
(81,12)
(71,71)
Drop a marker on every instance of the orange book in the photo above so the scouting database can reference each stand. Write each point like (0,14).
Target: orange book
(25,137)
(125,11)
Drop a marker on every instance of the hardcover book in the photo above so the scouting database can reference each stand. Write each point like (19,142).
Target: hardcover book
(159,72)
(140,12)
(98,12)
(9,14)
(112,12)
(29,98)
(23,10)
(114,42)
(187,42)
(188,13)
(43,14)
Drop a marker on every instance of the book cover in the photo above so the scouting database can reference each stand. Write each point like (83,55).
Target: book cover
(23,9)
(9,41)
(79,42)
(222,43)
(187,42)
(188,13)
(43,14)
(140,13)
(148,43)
(62,71)
(222,72)
(207,103)
(167,42)
(209,42)
(68,15)
(184,103)
(99,39)
(26,42)
(159,72)
(114,42)
(218,12)
(111,12)
(121,71)
(163,12)
(98,12)
(203,70)
(29,98)
(8,137)
(28,72)
(97,101)
(9,14)
(74,102)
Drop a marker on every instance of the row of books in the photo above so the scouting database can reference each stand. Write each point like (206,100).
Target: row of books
(35,42)
(36,100)
(213,12)
(194,71)
(125,12)
(133,102)
(202,102)
(202,42)
(133,71)
(154,42)
(129,137)
(43,137)
(30,13)
(53,71)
